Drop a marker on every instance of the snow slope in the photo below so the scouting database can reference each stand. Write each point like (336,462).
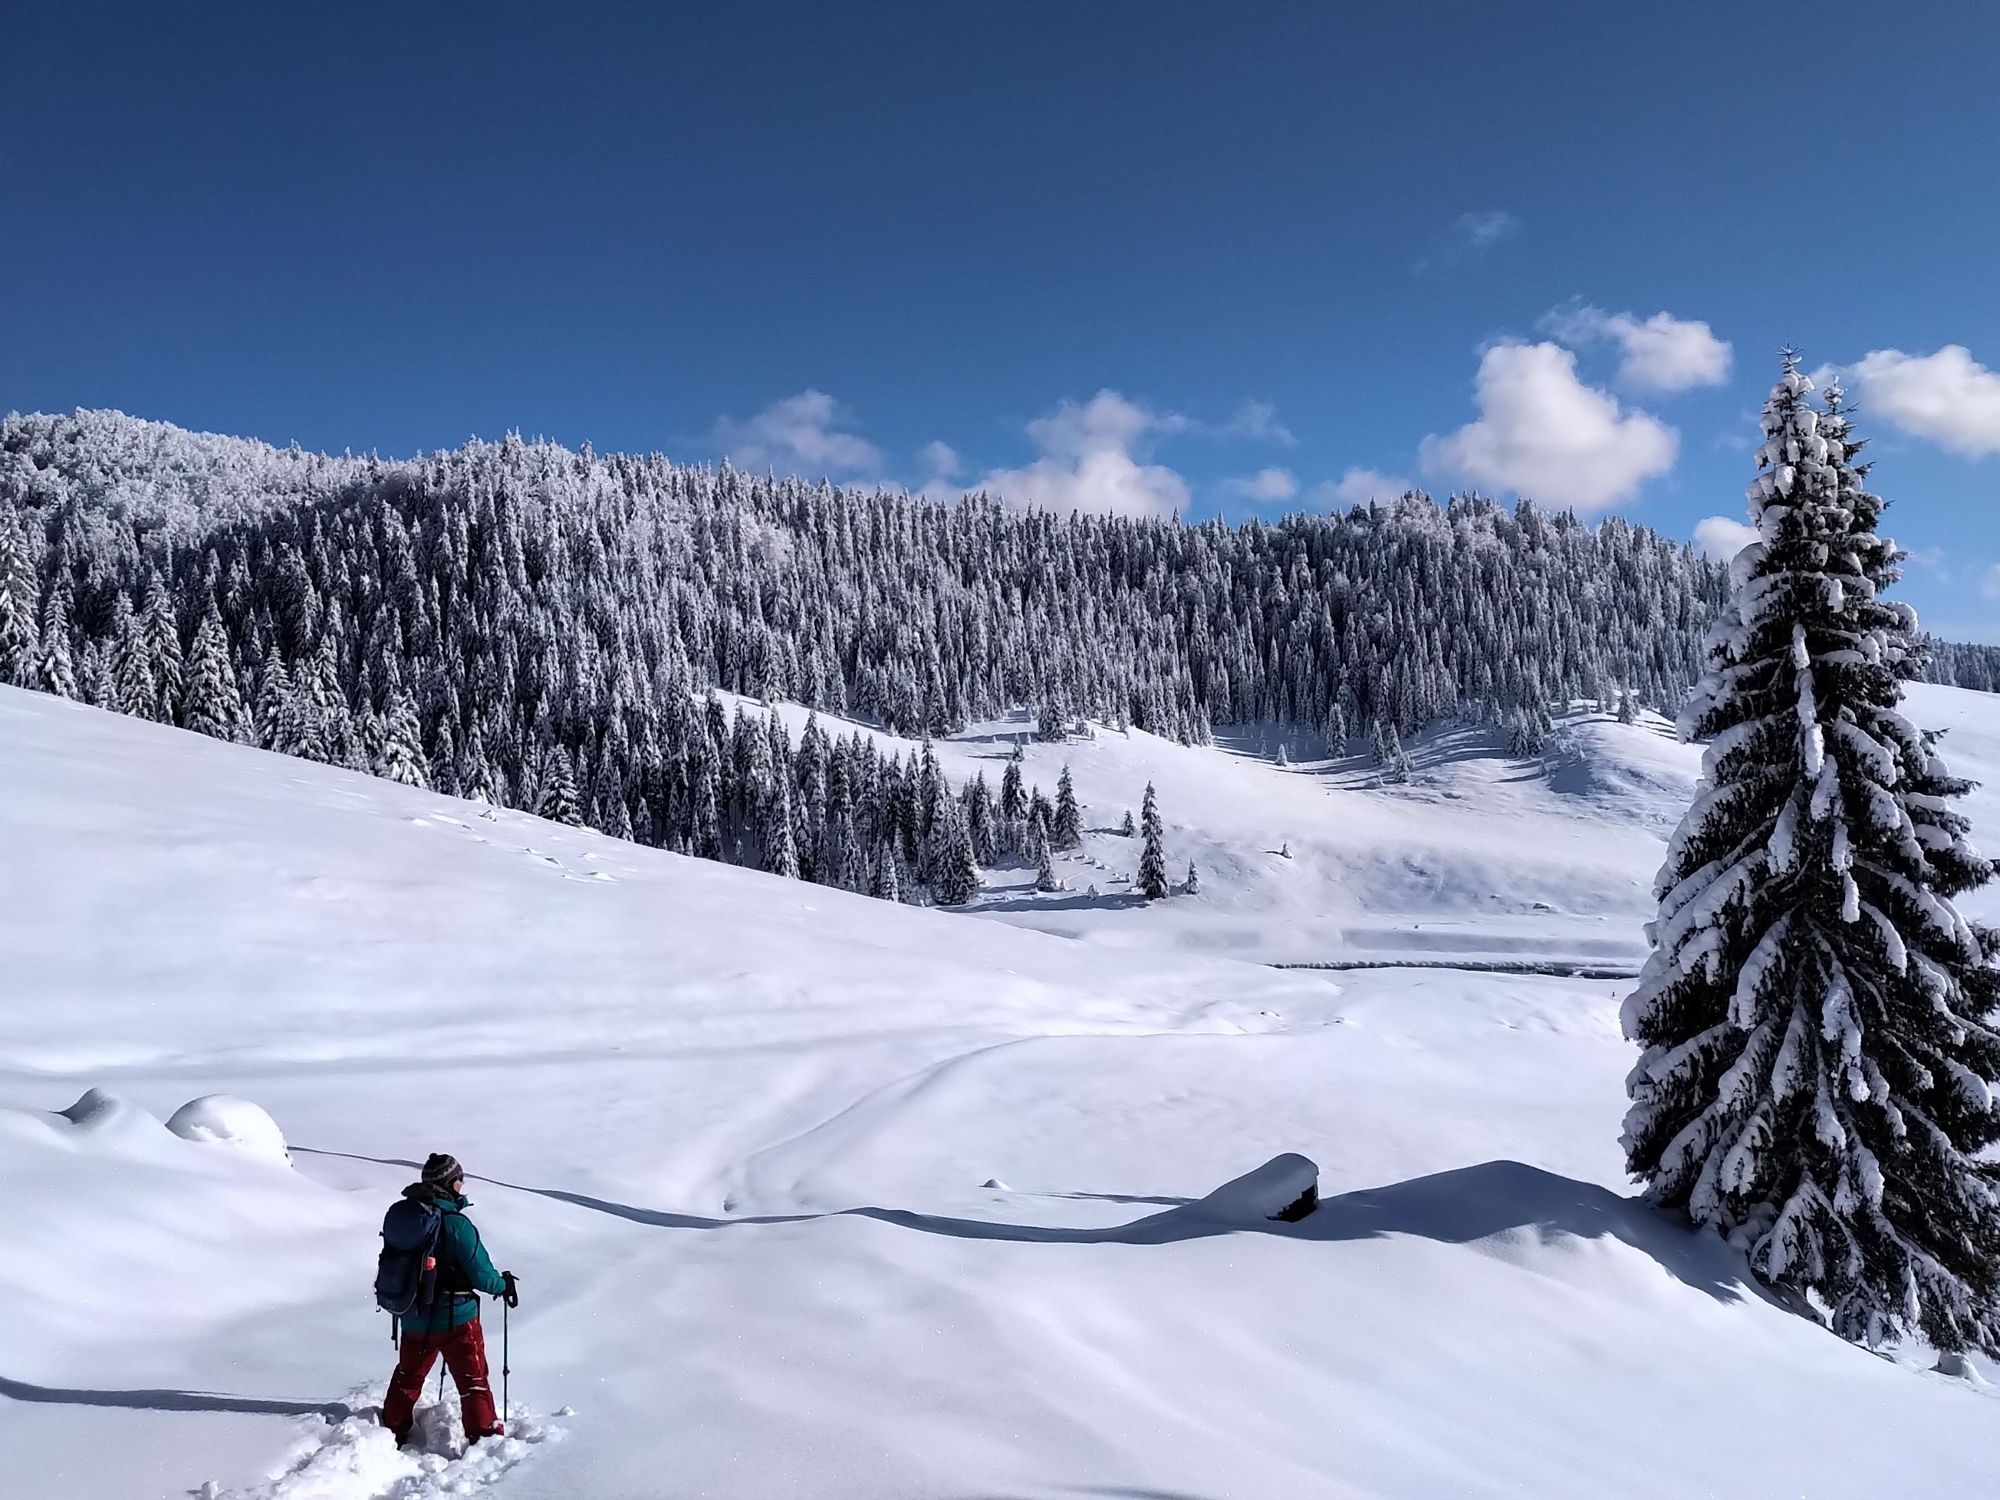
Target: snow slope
(1483,858)
(732,1134)
(1319,862)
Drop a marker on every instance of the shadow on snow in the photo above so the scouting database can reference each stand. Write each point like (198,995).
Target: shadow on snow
(21,1390)
(1456,1207)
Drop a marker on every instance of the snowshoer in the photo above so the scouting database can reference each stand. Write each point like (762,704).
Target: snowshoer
(449,1325)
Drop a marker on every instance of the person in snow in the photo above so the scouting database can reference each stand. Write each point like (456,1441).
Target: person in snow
(451,1327)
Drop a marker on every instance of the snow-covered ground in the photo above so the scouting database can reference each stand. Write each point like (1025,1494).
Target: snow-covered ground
(1481,858)
(742,1139)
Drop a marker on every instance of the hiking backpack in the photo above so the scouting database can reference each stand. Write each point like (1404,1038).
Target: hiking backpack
(406,1274)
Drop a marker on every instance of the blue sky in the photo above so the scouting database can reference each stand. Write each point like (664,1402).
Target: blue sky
(1247,258)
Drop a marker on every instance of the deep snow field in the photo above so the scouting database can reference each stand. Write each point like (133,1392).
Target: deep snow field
(814,1196)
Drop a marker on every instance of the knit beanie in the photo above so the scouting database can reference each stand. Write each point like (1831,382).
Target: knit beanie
(441,1170)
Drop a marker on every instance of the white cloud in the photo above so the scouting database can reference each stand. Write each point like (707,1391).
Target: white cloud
(1721,538)
(1948,397)
(1488,227)
(1358,486)
(942,467)
(1257,421)
(1660,353)
(1542,432)
(1470,236)
(1094,459)
(1265,487)
(798,435)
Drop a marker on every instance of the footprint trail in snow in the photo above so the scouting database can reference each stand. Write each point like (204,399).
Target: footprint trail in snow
(357,1459)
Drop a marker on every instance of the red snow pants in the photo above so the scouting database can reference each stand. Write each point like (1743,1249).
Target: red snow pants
(464,1351)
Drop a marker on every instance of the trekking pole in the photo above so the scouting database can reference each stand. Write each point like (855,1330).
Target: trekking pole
(506,1307)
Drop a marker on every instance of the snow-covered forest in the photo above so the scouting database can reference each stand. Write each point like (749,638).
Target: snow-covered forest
(535,626)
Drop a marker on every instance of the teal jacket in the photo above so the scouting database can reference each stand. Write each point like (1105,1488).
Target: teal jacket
(463,1266)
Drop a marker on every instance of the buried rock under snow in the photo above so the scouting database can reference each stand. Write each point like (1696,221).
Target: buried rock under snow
(224,1119)
(1286,1188)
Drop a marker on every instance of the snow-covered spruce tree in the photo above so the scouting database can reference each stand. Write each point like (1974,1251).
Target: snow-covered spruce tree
(1389,753)
(781,854)
(55,670)
(1045,869)
(1193,883)
(1066,832)
(979,819)
(399,754)
(1400,769)
(18,600)
(885,885)
(1013,802)
(1040,814)
(705,837)
(949,868)
(274,692)
(1153,856)
(162,635)
(1816,1080)
(558,798)
(214,700)
(475,770)
(851,874)
(135,685)
(1128,829)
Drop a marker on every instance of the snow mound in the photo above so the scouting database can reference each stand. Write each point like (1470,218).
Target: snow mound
(106,1126)
(226,1120)
(99,1113)
(357,1459)
(1286,1187)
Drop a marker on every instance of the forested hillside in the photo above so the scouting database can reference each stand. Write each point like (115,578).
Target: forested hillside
(534,625)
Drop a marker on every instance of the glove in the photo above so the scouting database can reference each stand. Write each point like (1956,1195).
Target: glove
(512,1296)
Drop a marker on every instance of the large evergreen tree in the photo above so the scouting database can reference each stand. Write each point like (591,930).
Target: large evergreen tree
(884,883)
(705,837)
(1013,802)
(1817,1019)
(399,753)
(1066,832)
(557,800)
(949,868)
(160,633)
(18,600)
(1045,869)
(135,683)
(1153,854)
(215,704)
(781,854)
(274,694)
(56,667)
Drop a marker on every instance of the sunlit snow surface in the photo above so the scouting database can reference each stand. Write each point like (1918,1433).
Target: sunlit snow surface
(731,1133)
